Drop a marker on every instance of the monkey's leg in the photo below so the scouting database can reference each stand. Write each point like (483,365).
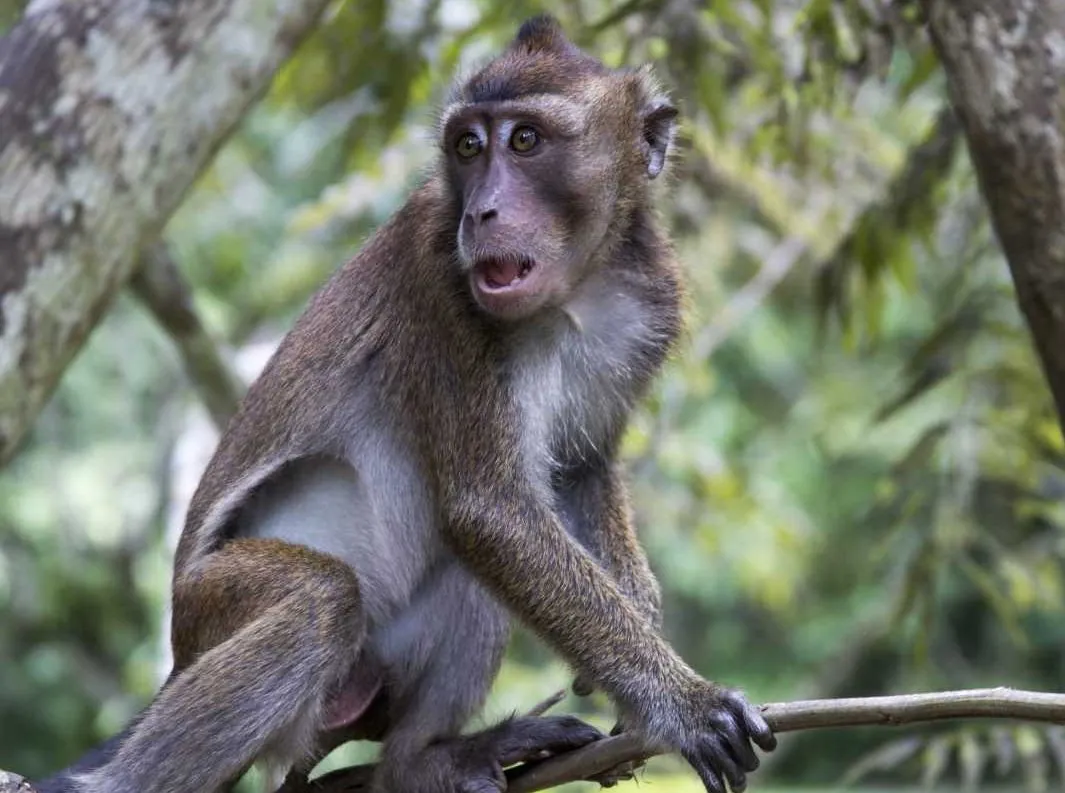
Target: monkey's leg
(442,655)
(265,635)
(595,508)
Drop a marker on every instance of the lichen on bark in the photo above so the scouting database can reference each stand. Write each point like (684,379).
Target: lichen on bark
(109,109)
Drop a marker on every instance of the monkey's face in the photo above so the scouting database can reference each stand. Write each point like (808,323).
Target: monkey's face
(536,190)
(547,152)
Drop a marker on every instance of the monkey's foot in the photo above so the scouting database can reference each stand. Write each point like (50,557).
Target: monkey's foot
(528,739)
(475,763)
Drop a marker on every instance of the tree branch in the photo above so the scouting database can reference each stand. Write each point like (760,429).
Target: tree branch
(893,711)
(158,284)
(1007,82)
(13,783)
(109,109)
(997,703)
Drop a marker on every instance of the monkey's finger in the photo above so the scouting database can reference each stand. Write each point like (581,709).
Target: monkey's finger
(754,721)
(717,751)
(732,729)
(707,772)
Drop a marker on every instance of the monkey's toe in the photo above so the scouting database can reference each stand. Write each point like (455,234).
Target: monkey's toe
(528,739)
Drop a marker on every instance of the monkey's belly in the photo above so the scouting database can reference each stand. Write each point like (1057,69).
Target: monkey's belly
(373,520)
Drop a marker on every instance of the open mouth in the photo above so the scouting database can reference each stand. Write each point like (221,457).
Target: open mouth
(504,273)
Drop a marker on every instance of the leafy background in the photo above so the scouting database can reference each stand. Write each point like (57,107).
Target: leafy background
(850,479)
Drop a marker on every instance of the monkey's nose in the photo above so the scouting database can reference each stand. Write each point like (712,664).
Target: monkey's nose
(477,225)
(480,217)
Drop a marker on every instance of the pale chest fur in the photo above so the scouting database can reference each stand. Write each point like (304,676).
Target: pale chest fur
(576,374)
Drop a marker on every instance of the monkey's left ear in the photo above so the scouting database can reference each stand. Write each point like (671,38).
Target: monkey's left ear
(659,123)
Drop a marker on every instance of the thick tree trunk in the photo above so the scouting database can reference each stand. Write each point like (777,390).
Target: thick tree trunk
(1005,63)
(109,109)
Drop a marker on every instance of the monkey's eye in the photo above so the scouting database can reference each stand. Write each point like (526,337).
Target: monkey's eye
(524,139)
(468,146)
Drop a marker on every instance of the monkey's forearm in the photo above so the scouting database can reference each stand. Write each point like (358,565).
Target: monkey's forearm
(596,506)
(520,550)
(625,557)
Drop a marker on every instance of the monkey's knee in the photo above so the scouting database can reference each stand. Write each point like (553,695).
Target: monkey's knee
(335,602)
(251,580)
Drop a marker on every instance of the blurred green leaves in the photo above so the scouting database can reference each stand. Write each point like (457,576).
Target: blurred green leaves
(853,485)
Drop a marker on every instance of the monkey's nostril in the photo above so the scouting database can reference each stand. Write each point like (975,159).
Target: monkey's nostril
(487,215)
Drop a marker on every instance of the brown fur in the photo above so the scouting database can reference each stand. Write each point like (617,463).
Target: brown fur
(504,428)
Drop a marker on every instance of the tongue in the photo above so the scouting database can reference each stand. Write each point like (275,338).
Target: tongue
(501,272)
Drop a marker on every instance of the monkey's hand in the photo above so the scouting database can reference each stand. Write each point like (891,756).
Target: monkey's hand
(474,763)
(713,728)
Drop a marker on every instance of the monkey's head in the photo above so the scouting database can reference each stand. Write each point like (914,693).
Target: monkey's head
(547,154)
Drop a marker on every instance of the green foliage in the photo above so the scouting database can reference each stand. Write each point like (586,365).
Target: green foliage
(849,483)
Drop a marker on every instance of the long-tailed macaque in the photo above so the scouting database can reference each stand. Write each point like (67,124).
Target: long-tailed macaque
(433,447)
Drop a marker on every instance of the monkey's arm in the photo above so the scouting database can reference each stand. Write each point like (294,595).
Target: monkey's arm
(597,511)
(516,545)
(595,507)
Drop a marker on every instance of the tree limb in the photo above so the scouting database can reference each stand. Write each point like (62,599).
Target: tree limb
(109,109)
(13,783)
(997,703)
(892,711)
(158,284)
(1007,82)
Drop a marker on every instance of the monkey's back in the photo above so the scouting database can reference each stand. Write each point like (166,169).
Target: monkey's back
(329,391)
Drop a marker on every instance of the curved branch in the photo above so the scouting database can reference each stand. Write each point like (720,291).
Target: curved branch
(893,711)
(159,286)
(997,703)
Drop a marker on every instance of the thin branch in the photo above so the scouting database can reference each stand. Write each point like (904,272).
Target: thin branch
(999,703)
(746,300)
(596,758)
(604,755)
(158,284)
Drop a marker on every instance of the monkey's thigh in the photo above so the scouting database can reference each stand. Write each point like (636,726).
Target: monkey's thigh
(270,591)
(287,605)
(263,633)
